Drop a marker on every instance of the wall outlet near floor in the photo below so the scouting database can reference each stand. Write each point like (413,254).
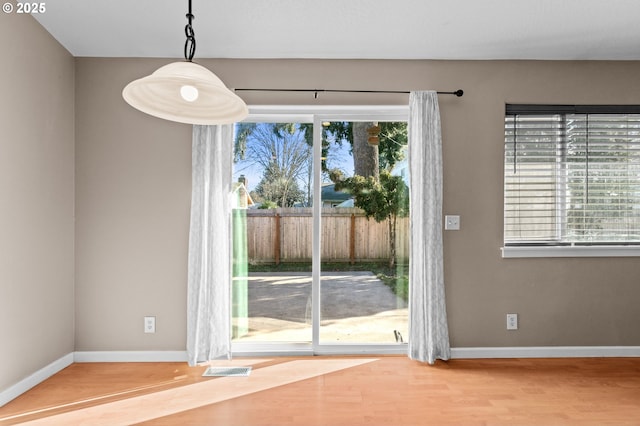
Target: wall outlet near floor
(149,324)
(512,321)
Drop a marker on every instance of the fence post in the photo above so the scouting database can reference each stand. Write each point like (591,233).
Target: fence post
(352,240)
(276,247)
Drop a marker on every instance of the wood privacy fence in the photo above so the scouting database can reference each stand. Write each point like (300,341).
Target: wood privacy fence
(285,235)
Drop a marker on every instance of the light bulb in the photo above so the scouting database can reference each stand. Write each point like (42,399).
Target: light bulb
(189,93)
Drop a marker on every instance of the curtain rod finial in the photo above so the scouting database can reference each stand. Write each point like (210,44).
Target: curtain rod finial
(459,93)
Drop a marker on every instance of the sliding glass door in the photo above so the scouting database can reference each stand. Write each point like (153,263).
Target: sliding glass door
(273,174)
(321,232)
(364,245)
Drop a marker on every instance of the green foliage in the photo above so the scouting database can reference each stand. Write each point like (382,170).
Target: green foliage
(381,200)
(393,138)
(278,187)
(268,205)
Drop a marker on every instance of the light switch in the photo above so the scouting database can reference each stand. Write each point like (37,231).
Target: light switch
(452,222)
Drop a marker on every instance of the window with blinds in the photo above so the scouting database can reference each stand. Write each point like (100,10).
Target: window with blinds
(571,175)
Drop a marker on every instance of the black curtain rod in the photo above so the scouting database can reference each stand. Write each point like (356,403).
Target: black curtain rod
(458,92)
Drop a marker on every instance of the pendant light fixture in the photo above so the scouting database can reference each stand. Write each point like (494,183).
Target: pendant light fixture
(186,92)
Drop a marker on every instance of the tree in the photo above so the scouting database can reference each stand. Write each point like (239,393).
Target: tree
(282,152)
(384,199)
(277,187)
(368,158)
(393,140)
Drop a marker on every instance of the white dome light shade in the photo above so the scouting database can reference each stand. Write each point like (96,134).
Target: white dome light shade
(187,93)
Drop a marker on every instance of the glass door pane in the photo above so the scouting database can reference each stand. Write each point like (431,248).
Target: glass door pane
(272,229)
(364,233)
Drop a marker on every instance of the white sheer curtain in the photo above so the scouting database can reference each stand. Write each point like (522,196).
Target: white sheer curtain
(209,277)
(428,330)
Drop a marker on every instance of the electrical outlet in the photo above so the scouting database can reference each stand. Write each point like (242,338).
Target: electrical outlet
(452,222)
(149,324)
(512,321)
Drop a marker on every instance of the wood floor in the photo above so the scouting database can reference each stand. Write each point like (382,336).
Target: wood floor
(340,391)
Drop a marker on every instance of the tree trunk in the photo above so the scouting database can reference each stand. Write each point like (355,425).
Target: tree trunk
(392,221)
(365,156)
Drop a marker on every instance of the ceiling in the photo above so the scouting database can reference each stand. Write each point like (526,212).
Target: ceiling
(361,29)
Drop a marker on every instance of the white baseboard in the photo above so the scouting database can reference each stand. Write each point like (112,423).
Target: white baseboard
(130,356)
(547,352)
(456,353)
(181,356)
(34,379)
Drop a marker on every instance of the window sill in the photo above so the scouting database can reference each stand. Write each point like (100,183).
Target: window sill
(575,251)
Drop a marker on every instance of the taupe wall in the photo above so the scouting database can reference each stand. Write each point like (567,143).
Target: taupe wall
(133,192)
(133,180)
(37,199)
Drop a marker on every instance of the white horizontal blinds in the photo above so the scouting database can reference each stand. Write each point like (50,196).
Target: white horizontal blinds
(532,172)
(603,178)
(571,177)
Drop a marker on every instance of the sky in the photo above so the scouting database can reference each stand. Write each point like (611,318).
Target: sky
(340,157)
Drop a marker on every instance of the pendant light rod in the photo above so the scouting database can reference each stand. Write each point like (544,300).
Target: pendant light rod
(190,44)
(457,93)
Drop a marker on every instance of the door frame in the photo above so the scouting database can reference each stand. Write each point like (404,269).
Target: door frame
(317,115)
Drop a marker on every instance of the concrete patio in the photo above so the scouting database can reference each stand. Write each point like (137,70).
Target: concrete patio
(356,307)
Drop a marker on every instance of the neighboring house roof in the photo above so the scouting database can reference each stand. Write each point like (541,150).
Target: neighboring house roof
(329,194)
